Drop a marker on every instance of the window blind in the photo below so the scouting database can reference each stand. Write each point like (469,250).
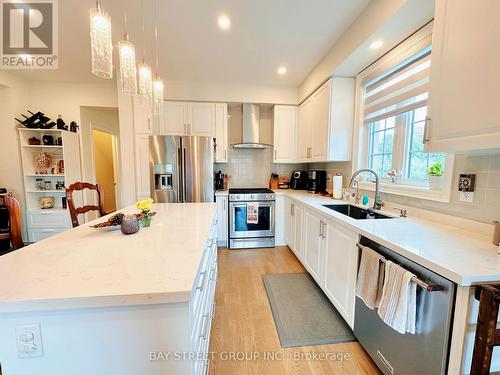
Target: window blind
(402,90)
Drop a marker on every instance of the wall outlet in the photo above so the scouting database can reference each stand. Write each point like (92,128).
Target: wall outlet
(466,196)
(29,340)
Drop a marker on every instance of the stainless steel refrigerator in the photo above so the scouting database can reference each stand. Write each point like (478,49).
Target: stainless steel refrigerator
(181,168)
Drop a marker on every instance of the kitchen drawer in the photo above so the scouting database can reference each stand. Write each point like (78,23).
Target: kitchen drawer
(38,234)
(48,219)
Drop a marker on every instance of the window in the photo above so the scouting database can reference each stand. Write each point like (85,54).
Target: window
(395,109)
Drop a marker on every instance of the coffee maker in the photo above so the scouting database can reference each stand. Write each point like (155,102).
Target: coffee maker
(298,181)
(317,181)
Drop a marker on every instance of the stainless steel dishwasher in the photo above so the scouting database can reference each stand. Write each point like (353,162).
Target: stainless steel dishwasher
(425,352)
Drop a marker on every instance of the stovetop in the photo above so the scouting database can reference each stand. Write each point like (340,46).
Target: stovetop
(251,194)
(250,191)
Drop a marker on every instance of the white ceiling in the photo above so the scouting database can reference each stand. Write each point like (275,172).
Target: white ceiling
(264,34)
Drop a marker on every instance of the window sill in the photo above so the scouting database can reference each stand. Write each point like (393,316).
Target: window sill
(420,192)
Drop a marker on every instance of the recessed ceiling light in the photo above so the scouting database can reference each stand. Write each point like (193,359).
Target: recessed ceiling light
(282,70)
(224,22)
(376,44)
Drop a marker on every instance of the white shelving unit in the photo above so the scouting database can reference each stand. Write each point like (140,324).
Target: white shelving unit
(43,223)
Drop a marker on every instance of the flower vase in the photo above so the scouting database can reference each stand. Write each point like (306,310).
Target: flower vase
(146,219)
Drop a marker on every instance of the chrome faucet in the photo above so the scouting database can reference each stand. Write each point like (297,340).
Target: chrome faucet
(377,204)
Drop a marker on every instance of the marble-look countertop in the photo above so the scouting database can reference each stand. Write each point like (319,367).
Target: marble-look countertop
(87,267)
(464,257)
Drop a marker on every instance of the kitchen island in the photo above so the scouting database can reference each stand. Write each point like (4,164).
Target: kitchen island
(94,301)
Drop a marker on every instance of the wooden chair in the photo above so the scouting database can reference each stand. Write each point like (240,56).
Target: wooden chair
(14,209)
(487,334)
(75,211)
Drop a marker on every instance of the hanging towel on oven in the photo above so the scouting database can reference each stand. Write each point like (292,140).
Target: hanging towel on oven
(370,277)
(252,213)
(398,303)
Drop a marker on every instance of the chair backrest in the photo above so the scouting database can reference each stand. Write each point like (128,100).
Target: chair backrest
(14,210)
(75,211)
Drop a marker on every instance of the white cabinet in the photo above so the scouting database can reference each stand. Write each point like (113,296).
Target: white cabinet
(285,124)
(222,217)
(313,244)
(142,176)
(175,118)
(463,100)
(201,119)
(221,133)
(340,268)
(143,117)
(184,118)
(293,227)
(326,122)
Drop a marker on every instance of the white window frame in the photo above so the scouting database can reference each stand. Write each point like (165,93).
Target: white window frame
(400,53)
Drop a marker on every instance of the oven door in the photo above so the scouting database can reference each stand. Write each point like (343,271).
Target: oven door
(239,228)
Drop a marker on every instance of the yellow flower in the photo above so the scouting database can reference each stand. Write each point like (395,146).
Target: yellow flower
(145,204)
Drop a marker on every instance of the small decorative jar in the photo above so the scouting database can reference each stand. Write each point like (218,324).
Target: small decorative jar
(130,225)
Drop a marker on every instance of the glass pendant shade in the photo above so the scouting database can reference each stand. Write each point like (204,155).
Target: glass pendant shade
(158,91)
(101,45)
(145,81)
(128,68)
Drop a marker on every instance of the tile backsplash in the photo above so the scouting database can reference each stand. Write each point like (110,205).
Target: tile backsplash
(253,168)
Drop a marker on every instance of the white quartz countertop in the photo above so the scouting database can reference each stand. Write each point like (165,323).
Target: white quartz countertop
(87,267)
(462,256)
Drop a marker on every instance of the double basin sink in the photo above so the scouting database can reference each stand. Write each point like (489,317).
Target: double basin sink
(356,212)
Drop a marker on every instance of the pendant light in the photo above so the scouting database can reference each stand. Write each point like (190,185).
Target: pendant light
(158,87)
(100,42)
(128,68)
(144,70)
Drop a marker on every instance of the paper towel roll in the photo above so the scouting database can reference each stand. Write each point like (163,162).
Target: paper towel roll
(337,187)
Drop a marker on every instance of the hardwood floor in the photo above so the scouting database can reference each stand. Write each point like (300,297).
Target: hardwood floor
(244,324)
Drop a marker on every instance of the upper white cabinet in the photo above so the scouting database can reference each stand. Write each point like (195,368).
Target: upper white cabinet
(175,118)
(143,117)
(184,118)
(221,133)
(142,166)
(340,262)
(326,122)
(201,119)
(464,110)
(285,124)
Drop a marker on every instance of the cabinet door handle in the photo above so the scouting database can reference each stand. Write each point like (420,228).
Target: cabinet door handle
(202,280)
(275,154)
(426,129)
(292,209)
(225,154)
(324,230)
(321,229)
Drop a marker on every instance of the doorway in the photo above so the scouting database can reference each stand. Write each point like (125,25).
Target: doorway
(104,151)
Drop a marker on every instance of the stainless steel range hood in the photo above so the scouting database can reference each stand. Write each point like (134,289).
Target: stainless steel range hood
(251,128)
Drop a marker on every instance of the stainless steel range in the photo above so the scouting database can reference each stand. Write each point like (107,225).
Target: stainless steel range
(251,218)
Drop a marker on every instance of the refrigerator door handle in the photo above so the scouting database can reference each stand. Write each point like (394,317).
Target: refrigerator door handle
(184,192)
(180,177)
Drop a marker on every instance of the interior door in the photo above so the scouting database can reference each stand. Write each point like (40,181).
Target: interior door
(312,244)
(175,119)
(202,119)
(198,169)
(321,122)
(340,269)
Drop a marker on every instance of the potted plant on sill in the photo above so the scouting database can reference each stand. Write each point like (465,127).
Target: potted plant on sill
(435,176)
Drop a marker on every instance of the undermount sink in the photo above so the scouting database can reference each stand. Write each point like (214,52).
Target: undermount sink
(356,212)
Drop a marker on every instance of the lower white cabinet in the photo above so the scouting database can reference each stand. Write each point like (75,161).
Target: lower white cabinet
(279,222)
(313,243)
(328,252)
(340,263)
(222,217)
(294,235)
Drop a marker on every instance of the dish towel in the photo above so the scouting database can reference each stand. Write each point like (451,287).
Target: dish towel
(253,213)
(399,299)
(370,277)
